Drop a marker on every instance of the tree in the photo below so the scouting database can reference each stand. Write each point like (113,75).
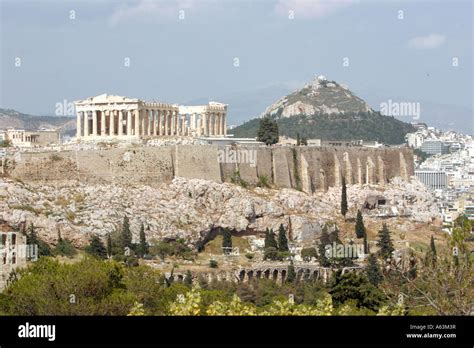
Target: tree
(431,254)
(308,253)
(304,141)
(344,197)
(64,247)
(109,245)
(359,226)
(188,279)
(97,248)
(126,234)
(227,241)
(270,241)
(298,141)
(143,248)
(366,243)
(373,271)
(385,242)
(322,258)
(282,240)
(268,131)
(33,239)
(291,273)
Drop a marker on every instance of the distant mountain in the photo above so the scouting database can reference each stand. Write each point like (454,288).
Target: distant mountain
(13,118)
(324,109)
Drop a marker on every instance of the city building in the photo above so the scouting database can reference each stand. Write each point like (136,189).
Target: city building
(108,116)
(434,147)
(433,179)
(24,138)
(12,254)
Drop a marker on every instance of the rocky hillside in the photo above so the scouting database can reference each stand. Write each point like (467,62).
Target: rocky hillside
(324,109)
(13,118)
(193,209)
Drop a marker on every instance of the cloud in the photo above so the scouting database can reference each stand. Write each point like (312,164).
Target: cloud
(427,42)
(311,8)
(144,10)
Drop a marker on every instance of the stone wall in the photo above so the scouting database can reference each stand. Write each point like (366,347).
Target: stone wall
(306,168)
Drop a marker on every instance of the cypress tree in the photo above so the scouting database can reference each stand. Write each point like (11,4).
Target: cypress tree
(298,141)
(366,243)
(359,226)
(270,239)
(373,271)
(324,240)
(226,240)
(433,251)
(188,279)
(291,273)
(344,197)
(97,248)
(385,242)
(33,239)
(126,235)
(143,246)
(282,240)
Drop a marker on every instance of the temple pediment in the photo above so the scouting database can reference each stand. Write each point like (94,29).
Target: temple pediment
(107,98)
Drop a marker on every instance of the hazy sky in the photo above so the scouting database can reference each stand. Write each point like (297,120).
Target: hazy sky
(400,48)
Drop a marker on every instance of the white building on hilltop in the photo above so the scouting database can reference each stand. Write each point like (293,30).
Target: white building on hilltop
(109,116)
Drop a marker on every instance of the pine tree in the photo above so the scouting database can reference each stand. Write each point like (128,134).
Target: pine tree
(344,197)
(291,273)
(268,131)
(282,240)
(385,242)
(359,226)
(226,241)
(298,141)
(109,245)
(143,246)
(373,271)
(97,248)
(126,235)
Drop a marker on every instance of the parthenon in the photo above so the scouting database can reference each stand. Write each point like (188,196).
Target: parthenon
(109,116)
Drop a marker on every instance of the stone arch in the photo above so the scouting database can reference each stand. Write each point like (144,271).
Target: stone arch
(266,274)
(250,275)
(242,275)
(275,274)
(258,275)
(299,275)
(283,275)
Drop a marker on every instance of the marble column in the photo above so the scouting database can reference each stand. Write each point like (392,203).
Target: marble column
(150,122)
(94,123)
(224,124)
(120,123)
(129,123)
(137,123)
(78,124)
(155,112)
(112,122)
(86,123)
(160,114)
(102,123)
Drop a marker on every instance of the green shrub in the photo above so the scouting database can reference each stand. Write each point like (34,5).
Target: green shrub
(213,264)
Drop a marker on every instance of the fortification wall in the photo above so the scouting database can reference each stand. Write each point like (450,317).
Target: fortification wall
(305,168)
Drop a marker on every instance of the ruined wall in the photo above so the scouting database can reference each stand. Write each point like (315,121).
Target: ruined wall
(308,169)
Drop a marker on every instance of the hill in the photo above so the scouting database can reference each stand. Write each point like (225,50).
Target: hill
(324,109)
(13,118)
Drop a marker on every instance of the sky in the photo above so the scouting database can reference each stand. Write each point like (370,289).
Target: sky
(56,51)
